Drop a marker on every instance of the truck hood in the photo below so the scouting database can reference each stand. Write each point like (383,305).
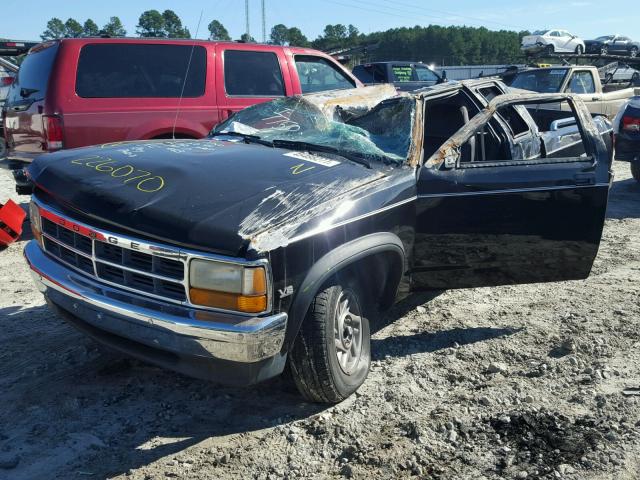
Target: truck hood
(214,195)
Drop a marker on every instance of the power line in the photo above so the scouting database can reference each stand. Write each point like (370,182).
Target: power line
(412,16)
(477,19)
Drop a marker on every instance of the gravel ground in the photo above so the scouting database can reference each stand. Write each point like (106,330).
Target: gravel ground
(509,382)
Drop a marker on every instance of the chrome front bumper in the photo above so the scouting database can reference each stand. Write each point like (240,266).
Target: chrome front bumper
(162,326)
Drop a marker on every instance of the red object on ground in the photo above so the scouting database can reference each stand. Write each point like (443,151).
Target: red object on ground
(11,218)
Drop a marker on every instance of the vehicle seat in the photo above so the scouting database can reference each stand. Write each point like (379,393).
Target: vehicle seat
(441,122)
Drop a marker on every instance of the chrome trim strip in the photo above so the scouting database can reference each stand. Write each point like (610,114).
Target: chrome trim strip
(315,231)
(179,329)
(512,190)
(160,250)
(141,272)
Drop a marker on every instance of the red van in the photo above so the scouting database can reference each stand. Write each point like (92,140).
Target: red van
(76,92)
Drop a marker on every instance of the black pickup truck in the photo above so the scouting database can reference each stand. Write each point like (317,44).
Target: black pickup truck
(280,235)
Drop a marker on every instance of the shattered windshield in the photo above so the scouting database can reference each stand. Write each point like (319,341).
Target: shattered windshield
(381,132)
(541,81)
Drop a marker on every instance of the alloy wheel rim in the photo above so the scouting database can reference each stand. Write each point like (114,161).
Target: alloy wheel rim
(348,332)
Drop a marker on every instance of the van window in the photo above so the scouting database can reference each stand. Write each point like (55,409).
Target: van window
(33,75)
(252,74)
(317,74)
(120,70)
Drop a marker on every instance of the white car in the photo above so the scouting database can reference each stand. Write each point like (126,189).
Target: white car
(552,41)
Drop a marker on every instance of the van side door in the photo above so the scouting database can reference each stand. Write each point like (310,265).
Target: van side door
(246,76)
(488,215)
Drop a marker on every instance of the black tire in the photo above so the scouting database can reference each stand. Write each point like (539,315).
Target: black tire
(549,50)
(635,171)
(315,366)
(579,50)
(635,79)
(633,52)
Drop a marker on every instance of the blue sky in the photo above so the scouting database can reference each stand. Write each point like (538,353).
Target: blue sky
(25,20)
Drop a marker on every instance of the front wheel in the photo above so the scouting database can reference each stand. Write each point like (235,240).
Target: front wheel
(633,52)
(635,171)
(579,50)
(549,50)
(332,353)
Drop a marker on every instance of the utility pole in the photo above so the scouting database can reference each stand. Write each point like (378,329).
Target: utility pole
(246,14)
(264,24)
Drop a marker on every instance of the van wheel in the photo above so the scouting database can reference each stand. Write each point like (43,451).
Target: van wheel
(331,356)
(635,170)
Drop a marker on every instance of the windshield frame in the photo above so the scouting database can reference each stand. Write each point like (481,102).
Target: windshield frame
(341,122)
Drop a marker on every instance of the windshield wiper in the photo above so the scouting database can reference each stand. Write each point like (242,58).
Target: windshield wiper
(245,136)
(356,157)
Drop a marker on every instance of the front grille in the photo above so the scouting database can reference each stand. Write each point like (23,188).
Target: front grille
(140,261)
(138,271)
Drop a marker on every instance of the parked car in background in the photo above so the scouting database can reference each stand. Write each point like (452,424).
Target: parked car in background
(583,81)
(327,209)
(8,73)
(622,74)
(626,126)
(76,92)
(405,76)
(7,76)
(613,44)
(552,41)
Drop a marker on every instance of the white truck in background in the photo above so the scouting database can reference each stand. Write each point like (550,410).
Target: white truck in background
(582,81)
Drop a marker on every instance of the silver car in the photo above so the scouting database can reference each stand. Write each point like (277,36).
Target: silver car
(622,74)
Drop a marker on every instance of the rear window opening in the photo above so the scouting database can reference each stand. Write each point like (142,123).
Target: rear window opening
(141,71)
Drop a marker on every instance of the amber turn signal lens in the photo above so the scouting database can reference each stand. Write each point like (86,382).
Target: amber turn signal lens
(228,301)
(255,281)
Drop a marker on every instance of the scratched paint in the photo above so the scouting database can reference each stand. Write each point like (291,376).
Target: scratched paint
(280,215)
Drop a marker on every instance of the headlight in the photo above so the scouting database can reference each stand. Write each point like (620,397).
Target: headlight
(228,286)
(35,221)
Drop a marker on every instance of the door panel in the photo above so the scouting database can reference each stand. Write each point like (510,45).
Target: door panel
(509,222)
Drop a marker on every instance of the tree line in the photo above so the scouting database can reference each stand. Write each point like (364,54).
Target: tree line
(430,44)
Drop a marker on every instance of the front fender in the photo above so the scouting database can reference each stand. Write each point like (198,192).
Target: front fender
(331,263)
